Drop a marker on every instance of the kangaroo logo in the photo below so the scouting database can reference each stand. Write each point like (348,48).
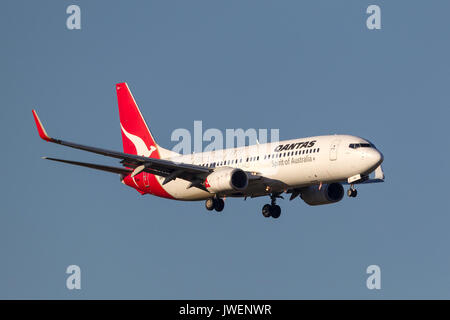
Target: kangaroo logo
(139,144)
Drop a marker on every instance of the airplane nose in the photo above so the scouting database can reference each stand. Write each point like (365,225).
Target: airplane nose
(375,157)
(381,157)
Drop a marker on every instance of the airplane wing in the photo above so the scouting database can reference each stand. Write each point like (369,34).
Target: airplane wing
(165,168)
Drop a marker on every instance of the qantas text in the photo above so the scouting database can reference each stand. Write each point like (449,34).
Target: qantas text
(292,146)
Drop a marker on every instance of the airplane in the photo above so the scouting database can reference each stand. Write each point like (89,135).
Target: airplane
(313,169)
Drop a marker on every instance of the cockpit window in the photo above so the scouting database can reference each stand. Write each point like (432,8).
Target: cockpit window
(361,145)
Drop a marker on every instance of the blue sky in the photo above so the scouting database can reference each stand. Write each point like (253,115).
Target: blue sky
(304,67)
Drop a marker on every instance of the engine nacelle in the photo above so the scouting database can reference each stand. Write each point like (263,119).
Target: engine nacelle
(329,193)
(226,179)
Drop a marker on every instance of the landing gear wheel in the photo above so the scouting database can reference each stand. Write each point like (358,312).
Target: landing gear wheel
(276,211)
(272,210)
(266,210)
(352,193)
(219,205)
(210,204)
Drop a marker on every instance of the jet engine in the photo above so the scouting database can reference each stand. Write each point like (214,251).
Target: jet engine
(329,193)
(226,179)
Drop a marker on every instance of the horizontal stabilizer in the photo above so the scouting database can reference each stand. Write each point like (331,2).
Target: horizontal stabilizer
(379,174)
(117,170)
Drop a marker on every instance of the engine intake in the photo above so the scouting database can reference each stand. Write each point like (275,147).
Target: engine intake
(329,193)
(226,179)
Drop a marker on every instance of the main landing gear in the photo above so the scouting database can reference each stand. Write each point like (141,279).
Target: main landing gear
(352,192)
(272,210)
(214,204)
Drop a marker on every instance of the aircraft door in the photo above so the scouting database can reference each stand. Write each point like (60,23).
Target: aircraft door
(334,149)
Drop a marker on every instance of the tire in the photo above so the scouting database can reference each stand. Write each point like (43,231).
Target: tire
(219,205)
(210,204)
(350,193)
(276,211)
(266,210)
(355,193)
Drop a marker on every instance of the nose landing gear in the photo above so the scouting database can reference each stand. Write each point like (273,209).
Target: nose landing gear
(352,192)
(272,210)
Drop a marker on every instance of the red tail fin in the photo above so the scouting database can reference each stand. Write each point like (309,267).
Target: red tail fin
(136,136)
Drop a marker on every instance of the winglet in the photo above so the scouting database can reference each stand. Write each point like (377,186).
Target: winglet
(40,128)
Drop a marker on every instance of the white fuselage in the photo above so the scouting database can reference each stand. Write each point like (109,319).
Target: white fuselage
(285,164)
